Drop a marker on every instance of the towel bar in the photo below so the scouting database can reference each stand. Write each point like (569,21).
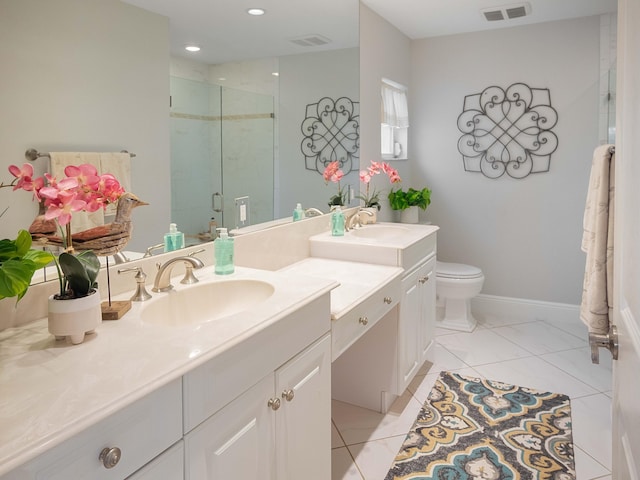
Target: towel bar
(32,154)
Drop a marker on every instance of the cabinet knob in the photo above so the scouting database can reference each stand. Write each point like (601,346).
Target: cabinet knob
(424,279)
(363,320)
(274,403)
(387,300)
(288,395)
(110,456)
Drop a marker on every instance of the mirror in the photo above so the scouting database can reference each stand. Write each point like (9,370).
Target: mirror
(109,93)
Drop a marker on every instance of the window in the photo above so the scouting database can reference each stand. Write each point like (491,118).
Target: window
(394,124)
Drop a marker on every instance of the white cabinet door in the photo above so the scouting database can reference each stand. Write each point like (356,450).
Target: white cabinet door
(237,442)
(408,329)
(427,281)
(303,422)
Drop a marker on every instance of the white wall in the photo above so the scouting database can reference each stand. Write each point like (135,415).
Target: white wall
(524,234)
(305,79)
(384,53)
(86,75)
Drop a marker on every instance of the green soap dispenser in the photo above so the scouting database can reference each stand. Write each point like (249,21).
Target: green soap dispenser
(298,213)
(337,222)
(173,240)
(223,251)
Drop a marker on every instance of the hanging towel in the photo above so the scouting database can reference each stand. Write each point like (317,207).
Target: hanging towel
(117,164)
(59,160)
(597,242)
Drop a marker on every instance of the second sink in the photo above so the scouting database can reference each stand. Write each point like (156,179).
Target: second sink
(205,302)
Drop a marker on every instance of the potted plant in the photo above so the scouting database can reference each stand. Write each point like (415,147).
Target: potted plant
(371,199)
(18,263)
(408,202)
(75,310)
(332,173)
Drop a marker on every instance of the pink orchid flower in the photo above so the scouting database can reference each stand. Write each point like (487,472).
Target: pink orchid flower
(23,175)
(332,172)
(365,176)
(64,205)
(86,174)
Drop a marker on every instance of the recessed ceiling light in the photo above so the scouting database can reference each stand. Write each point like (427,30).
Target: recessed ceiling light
(275,74)
(256,11)
(192,48)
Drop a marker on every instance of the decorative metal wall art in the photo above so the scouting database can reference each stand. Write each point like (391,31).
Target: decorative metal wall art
(331,132)
(508,131)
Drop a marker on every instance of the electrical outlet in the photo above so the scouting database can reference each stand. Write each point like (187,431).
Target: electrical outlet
(242,211)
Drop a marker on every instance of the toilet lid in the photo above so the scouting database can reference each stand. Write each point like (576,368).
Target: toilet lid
(457,270)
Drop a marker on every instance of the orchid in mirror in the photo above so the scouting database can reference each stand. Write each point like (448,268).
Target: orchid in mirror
(333,173)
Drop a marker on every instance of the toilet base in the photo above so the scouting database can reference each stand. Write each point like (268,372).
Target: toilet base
(456,314)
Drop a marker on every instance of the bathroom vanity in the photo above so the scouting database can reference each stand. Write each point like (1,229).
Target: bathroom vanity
(229,378)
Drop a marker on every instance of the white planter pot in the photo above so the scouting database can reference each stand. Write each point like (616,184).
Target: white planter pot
(369,219)
(409,215)
(74,317)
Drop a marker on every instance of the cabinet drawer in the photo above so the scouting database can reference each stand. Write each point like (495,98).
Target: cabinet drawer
(168,466)
(141,431)
(351,326)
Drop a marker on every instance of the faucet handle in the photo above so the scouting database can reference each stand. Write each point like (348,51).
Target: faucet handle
(141,293)
(150,250)
(189,278)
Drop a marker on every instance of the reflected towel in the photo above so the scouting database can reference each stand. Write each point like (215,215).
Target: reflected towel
(59,160)
(119,165)
(597,242)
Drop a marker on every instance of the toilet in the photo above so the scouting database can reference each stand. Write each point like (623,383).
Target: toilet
(456,285)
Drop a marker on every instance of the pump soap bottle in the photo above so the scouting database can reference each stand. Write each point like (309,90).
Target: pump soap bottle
(337,222)
(223,250)
(174,239)
(298,213)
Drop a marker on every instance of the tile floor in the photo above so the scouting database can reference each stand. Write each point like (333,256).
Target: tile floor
(536,354)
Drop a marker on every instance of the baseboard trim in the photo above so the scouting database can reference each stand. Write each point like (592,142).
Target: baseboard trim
(525,309)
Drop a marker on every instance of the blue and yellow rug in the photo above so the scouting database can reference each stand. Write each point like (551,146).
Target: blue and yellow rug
(471,428)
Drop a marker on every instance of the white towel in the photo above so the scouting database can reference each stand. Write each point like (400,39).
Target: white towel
(597,242)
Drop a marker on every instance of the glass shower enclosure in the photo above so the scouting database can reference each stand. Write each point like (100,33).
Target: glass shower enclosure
(222,149)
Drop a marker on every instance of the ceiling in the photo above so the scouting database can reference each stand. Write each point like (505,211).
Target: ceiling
(225,32)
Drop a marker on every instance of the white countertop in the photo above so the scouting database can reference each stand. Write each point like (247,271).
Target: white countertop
(357,280)
(51,390)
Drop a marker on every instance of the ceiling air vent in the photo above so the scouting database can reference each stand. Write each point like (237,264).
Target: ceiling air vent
(505,12)
(310,40)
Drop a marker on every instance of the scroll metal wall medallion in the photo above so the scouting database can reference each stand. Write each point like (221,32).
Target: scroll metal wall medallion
(331,132)
(508,131)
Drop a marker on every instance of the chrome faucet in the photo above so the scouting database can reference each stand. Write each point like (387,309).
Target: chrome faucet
(356,217)
(312,212)
(151,249)
(162,282)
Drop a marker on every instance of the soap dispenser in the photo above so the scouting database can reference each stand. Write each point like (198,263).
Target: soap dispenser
(337,222)
(223,251)
(173,240)
(298,213)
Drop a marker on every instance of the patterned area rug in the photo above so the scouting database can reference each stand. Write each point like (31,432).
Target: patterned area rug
(471,428)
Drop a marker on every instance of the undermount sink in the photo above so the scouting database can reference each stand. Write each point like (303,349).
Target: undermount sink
(205,302)
(377,231)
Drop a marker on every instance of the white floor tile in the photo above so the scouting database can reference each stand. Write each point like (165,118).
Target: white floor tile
(540,337)
(343,466)
(336,440)
(481,346)
(443,359)
(357,424)
(586,467)
(535,373)
(488,320)
(576,328)
(591,422)
(375,458)
(577,362)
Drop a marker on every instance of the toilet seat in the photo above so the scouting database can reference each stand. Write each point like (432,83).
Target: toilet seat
(457,270)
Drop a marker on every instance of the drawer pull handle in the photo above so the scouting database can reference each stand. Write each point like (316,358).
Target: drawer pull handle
(388,300)
(363,320)
(274,403)
(110,457)
(288,395)
(424,279)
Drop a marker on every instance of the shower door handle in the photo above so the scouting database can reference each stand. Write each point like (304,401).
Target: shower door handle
(213,202)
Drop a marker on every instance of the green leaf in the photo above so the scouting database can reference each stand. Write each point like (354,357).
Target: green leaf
(39,257)
(80,271)
(23,242)
(15,276)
